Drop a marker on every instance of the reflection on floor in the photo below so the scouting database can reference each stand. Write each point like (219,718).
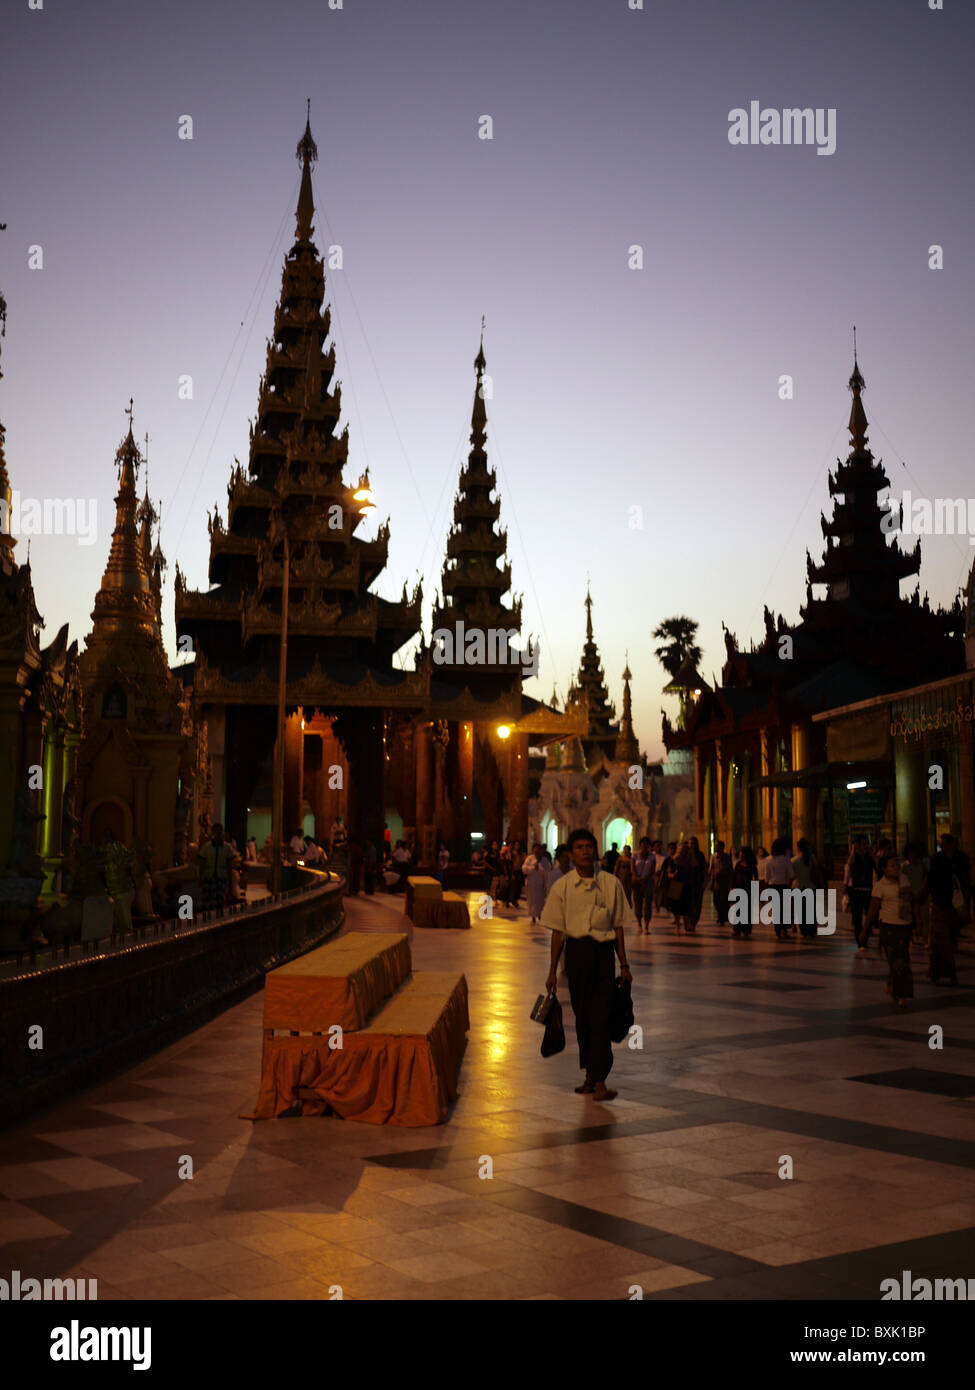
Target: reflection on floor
(675,1187)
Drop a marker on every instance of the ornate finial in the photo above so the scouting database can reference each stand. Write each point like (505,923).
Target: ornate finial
(129,413)
(588,612)
(307,151)
(480,361)
(858,416)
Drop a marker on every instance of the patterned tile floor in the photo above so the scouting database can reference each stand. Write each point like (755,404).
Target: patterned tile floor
(754,1053)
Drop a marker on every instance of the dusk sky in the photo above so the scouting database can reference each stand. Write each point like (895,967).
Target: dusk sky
(613,388)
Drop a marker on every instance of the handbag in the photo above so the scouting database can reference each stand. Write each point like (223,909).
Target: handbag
(675,890)
(620,1011)
(554,1039)
(543,1007)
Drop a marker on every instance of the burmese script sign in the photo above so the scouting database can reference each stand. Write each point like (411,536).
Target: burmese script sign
(913,722)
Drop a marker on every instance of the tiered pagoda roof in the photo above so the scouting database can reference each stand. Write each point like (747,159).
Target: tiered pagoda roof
(862,639)
(590,688)
(476,573)
(627,749)
(294,486)
(124,651)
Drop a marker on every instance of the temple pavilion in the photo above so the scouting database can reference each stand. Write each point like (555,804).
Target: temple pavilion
(762,766)
(430,750)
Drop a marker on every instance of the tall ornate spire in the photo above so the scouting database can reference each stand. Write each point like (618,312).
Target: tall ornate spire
(590,686)
(479,412)
(627,749)
(307,155)
(858,416)
(473,584)
(124,603)
(858,565)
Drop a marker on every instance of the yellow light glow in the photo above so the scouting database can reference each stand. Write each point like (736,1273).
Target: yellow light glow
(503,731)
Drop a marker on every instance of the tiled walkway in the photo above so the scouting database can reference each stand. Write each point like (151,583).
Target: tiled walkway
(754,1053)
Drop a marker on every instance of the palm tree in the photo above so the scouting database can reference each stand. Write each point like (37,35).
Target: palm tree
(677,644)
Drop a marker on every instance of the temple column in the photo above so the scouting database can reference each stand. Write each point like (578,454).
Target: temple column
(215,747)
(423,744)
(464,805)
(802,818)
(366,790)
(720,792)
(53,772)
(518,785)
(294,766)
(768,808)
(698,791)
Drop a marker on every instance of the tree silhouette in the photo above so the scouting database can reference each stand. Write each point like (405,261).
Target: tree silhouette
(677,644)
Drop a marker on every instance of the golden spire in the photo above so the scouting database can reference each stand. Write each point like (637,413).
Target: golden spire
(858,416)
(588,613)
(627,749)
(124,603)
(307,154)
(479,413)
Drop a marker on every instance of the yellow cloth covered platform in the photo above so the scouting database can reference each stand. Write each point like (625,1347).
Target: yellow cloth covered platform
(419,888)
(400,1070)
(451,911)
(343,982)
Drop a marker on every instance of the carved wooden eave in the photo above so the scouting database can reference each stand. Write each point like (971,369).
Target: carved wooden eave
(464,706)
(314,690)
(309,616)
(554,726)
(230,543)
(194,604)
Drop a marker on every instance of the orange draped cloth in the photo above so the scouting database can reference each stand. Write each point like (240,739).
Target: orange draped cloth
(400,1070)
(451,911)
(343,982)
(421,889)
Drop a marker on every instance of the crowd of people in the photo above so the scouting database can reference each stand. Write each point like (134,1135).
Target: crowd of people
(910,899)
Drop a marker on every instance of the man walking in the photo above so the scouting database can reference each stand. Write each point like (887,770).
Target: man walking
(586,912)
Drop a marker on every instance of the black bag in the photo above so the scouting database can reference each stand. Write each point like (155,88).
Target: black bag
(620,1011)
(554,1039)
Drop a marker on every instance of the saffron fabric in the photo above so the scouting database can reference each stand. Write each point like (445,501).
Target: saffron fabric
(343,982)
(401,1070)
(450,912)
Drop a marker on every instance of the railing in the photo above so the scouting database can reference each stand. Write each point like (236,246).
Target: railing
(76,1021)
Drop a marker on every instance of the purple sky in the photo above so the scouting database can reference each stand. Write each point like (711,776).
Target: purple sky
(613,388)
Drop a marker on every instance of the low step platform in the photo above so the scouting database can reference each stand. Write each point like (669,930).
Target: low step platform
(401,1069)
(343,982)
(450,912)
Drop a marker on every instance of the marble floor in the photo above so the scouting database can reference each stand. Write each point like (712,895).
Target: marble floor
(782,1133)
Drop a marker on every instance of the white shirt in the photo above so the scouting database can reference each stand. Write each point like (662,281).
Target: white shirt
(895,900)
(581,906)
(778,870)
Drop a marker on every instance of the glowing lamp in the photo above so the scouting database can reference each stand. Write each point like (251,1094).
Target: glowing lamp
(503,731)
